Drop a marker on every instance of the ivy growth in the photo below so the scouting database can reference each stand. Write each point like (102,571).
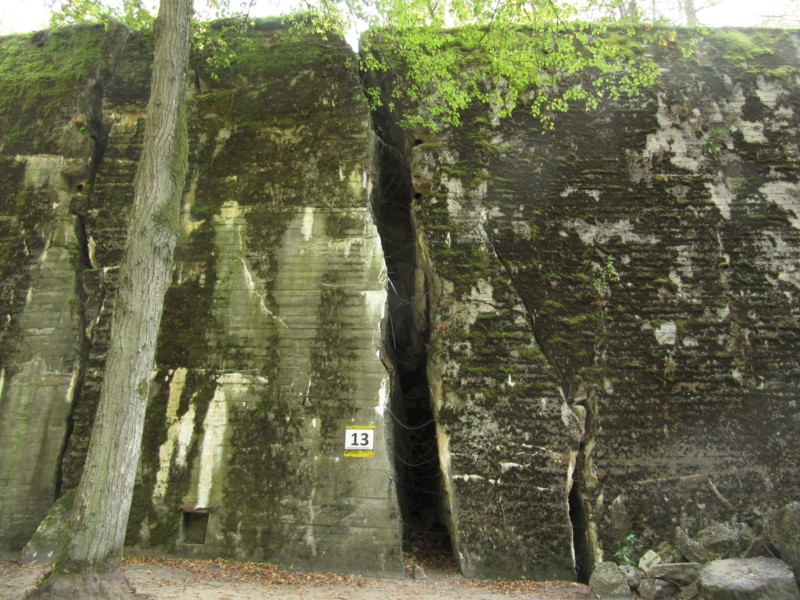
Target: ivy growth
(218,42)
(446,56)
(547,57)
(624,556)
(605,277)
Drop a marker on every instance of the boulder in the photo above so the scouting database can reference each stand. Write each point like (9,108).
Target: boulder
(652,588)
(649,560)
(632,574)
(607,581)
(668,553)
(691,549)
(746,579)
(727,540)
(680,573)
(722,540)
(690,592)
(783,532)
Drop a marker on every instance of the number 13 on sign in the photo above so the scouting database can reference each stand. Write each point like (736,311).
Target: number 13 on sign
(359,441)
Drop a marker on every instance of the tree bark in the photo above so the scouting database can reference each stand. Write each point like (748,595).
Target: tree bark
(690,12)
(96,531)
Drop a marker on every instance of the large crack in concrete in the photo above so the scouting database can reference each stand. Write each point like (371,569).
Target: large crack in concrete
(406,335)
(86,282)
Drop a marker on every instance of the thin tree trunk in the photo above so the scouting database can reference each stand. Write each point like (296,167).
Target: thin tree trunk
(96,531)
(690,11)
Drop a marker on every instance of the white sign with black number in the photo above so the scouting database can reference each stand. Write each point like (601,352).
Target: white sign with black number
(359,441)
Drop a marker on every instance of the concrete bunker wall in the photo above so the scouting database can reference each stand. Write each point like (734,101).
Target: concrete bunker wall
(605,317)
(614,324)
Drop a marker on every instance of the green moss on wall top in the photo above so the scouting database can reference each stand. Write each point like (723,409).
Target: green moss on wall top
(42,79)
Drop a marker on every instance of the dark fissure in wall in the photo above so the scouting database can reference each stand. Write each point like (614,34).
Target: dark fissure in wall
(577,516)
(416,456)
(86,277)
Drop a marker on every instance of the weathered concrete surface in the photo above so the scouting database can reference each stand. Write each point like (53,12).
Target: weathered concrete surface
(607,315)
(271,335)
(271,338)
(45,158)
(614,311)
(42,366)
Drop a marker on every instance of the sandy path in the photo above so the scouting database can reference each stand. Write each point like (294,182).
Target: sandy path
(204,583)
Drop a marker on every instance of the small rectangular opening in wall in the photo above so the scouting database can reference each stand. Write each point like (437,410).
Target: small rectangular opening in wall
(194,524)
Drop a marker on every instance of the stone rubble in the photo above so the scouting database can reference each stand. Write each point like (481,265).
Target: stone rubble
(727,569)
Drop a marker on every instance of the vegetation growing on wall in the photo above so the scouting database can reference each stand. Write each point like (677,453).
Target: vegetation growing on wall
(38,72)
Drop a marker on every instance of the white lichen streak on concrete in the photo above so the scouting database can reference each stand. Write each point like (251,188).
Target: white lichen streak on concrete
(601,233)
(307,229)
(785,194)
(36,397)
(568,417)
(309,537)
(167,450)
(505,467)
(375,303)
(42,170)
(188,225)
(592,193)
(681,144)
(175,390)
(70,395)
(722,197)
(214,429)
(383,397)
(776,254)
(469,478)
(185,433)
(232,248)
(666,333)
(357,182)
(752,131)
(454,197)
(769,92)
(366,182)
(481,300)
(223,135)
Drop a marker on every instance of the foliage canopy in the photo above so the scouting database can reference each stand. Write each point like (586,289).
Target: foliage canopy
(541,54)
(444,55)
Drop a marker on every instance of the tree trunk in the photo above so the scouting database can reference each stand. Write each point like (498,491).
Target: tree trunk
(96,531)
(690,12)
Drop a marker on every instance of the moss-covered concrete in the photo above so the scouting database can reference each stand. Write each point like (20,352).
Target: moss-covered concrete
(636,268)
(276,307)
(606,316)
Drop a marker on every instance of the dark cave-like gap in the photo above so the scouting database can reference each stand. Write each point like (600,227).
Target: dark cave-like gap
(92,106)
(426,538)
(579,520)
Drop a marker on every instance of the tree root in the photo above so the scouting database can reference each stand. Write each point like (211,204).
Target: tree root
(112,585)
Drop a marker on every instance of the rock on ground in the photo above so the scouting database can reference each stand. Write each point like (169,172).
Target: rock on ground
(783,530)
(746,579)
(680,573)
(607,581)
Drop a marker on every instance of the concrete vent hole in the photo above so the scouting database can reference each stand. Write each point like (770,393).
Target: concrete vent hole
(194,524)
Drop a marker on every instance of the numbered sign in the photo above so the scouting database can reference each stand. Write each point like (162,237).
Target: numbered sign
(359,441)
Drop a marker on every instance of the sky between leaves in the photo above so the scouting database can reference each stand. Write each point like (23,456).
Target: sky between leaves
(20,16)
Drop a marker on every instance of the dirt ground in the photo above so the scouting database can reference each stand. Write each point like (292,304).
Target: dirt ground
(222,580)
